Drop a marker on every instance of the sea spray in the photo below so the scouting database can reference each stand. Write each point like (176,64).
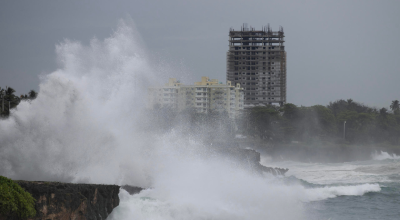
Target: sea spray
(87,125)
(82,125)
(384,156)
(321,193)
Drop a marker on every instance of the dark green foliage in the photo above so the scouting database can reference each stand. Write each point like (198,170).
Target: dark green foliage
(395,106)
(32,94)
(8,100)
(14,201)
(341,105)
(326,120)
(363,124)
(263,122)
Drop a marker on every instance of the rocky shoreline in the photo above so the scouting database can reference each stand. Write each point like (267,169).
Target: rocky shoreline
(70,201)
(65,201)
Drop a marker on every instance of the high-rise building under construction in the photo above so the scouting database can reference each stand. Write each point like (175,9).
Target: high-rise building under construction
(257,60)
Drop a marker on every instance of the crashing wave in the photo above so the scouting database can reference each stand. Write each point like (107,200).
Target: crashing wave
(384,156)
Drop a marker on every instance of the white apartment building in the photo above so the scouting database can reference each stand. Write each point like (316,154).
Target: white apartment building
(205,96)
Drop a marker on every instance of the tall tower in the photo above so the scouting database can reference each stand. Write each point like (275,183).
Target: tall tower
(257,60)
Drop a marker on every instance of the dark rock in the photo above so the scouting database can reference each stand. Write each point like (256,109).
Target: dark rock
(248,158)
(132,189)
(66,201)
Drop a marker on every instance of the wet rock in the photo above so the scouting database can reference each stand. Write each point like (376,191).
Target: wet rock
(66,201)
(132,189)
(248,158)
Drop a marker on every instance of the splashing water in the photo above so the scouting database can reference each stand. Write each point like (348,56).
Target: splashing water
(84,127)
(78,127)
(384,156)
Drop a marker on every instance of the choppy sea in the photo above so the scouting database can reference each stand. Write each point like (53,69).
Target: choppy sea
(343,191)
(358,190)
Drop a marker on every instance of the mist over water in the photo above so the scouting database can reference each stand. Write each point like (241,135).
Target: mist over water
(87,123)
(384,156)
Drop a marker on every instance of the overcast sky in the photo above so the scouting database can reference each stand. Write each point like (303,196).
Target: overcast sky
(335,49)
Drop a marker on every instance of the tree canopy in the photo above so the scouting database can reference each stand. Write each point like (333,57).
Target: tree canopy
(8,100)
(290,122)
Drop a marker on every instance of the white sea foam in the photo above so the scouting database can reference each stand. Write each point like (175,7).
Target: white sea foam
(327,192)
(384,156)
(356,172)
(213,190)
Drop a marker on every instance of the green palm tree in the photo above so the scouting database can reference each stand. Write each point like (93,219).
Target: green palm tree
(9,101)
(395,106)
(9,91)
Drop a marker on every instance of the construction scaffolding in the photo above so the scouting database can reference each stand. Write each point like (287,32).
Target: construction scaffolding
(257,60)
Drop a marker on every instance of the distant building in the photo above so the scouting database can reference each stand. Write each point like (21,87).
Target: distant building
(205,96)
(256,60)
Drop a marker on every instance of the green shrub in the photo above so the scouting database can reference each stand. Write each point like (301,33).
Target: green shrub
(14,200)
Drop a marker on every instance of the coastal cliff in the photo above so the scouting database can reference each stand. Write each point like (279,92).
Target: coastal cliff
(67,201)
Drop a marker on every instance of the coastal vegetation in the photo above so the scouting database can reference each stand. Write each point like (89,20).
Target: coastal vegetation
(8,100)
(15,201)
(342,120)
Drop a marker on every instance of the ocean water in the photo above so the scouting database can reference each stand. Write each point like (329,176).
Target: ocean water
(358,190)
(354,190)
